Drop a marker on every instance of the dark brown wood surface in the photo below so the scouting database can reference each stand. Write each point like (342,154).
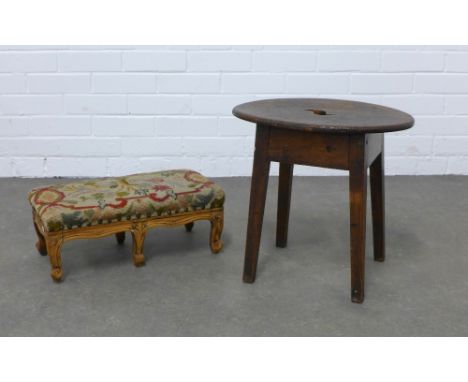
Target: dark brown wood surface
(322,150)
(377,185)
(357,213)
(284,203)
(324,115)
(326,133)
(258,190)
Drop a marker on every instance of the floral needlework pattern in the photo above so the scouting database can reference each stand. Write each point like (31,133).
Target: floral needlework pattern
(107,200)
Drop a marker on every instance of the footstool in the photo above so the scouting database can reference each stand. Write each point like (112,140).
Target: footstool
(107,206)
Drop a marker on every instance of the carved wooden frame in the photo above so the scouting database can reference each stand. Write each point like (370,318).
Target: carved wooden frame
(50,243)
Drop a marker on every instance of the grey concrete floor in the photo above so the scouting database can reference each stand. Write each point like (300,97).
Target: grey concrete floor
(302,290)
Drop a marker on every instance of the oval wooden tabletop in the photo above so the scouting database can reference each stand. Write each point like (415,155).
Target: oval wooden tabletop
(324,115)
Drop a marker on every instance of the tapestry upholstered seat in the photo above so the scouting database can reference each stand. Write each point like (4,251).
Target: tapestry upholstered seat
(105,206)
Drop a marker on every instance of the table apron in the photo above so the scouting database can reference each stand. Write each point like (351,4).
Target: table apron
(318,149)
(313,149)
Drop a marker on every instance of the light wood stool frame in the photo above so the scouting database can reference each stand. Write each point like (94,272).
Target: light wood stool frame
(50,243)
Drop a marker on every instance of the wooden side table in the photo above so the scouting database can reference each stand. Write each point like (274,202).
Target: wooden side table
(328,133)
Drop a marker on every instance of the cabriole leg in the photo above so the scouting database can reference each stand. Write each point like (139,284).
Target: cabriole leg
(217,223)
(54,247)
(41,243)
(138,234)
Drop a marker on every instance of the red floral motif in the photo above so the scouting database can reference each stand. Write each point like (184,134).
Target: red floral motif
(122,204)
(161,187)
(159,199)
(42,193)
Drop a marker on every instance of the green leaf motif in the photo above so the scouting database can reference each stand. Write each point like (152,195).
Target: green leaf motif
(73,219)
(88,214)
(98,196)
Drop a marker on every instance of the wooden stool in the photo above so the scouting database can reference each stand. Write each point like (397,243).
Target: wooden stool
(328,133)
(102,207)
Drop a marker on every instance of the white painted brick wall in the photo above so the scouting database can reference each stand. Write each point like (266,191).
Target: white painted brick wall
(322,83)
(89,61)
(252,83)
(284,61)
(413,62)
(95,104)
(457,62)
(183,126)
(188,83)
(17,105)
(381,83)
(123,126)
(154,61)
(229,61)
(359,61)
(124,83)
(58,83)
(24,62)
(97,111)
(147,147)
(12,83)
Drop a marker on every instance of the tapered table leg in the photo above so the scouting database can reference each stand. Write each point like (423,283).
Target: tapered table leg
(260,173)
(378,206)
(284,203)
(357,199)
